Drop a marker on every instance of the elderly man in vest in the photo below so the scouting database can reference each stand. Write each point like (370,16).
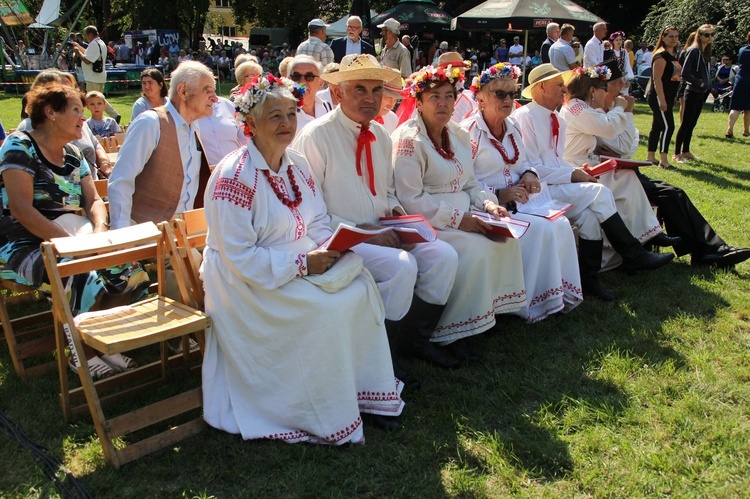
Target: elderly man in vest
(350,158)
(161,168)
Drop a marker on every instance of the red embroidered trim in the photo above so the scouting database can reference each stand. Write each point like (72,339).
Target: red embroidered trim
(301,262)
(477,322)
(474,148)
(333,438)
(577,292)
(234,191)
(550,293)
(454,219)
(577,108)
(403,147)
(653,231)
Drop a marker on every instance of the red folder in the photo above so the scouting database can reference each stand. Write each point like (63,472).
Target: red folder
(411,229)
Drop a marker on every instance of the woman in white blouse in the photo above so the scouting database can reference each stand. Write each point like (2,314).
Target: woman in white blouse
(548,248)
(434,175)
(285,359)
(585,121)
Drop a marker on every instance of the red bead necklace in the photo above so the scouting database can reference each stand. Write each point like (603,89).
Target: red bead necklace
(499,146)
(283,197)
(447,153)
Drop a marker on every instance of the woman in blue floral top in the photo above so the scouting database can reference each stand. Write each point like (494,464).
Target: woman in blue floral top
(44,179)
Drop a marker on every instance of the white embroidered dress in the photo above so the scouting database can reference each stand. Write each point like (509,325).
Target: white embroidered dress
(284,359)
(548,249)
(583,125)
(489,279)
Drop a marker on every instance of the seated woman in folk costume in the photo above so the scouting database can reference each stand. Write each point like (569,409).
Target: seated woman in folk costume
(285,359)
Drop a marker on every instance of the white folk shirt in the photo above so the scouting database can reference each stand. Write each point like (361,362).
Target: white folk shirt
(330,146)
(625,143)
(423,188)
(220,132)
(543,152)
(489,171)
(584,124)
(322,107)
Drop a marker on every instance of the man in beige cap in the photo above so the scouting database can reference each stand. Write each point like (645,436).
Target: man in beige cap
(594,210)
(394,54)
(315,46)
(350,158)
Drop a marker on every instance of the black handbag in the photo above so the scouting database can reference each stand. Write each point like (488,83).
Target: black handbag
(98,65)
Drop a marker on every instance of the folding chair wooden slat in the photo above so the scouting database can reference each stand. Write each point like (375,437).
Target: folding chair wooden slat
(151,321)
(24,343)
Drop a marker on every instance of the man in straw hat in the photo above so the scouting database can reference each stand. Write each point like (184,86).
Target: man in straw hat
(350,158)
(393,53)
(594,210)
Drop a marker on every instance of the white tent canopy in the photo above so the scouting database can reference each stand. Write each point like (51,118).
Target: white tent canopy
(338,28)
(49,13)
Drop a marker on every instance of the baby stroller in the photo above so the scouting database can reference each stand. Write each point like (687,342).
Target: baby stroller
(721,101)
(640,83)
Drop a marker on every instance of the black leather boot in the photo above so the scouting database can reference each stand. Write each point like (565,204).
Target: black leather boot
(589,264)
(634,257)
(416,329)
(395,341)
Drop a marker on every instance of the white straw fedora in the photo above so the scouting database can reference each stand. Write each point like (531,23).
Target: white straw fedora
(544,72)
(358,67)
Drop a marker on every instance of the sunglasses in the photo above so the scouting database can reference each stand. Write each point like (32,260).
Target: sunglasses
(707,35)
(308,77)
(502,94)
(601,87)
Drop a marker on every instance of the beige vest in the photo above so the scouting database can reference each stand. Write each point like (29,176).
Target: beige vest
(158,187)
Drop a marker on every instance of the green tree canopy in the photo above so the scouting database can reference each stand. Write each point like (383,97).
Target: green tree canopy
(731,18)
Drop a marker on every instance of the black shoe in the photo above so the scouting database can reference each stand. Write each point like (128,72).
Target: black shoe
(647,261)
(462,352)
(594,288)
(726,257)
(663,241)
(387,423)
(409,380)
(429,352)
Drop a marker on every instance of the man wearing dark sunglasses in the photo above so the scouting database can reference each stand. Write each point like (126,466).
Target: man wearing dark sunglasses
(352,43)
(306,71)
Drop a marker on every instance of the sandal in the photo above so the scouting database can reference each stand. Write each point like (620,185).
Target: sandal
(194,347)
(688,155)
(745,134)
(119,362)
(97,367)
(729,135)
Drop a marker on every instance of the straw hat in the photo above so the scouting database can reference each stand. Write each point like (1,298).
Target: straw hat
(544,72)
(395,85)
(358,67)
(452,59)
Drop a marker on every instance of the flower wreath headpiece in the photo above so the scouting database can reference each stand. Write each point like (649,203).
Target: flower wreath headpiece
(428,76)
(499,70)
(250,94)
(595,72)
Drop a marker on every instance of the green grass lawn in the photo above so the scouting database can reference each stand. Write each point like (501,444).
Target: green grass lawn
(647,396)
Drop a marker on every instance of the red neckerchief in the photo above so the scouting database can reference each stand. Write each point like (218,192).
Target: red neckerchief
(379,119)
(555,130)
(363,142)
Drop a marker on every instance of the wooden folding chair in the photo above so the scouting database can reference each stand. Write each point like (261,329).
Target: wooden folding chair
(28,337)
(151,321)
(186,235)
